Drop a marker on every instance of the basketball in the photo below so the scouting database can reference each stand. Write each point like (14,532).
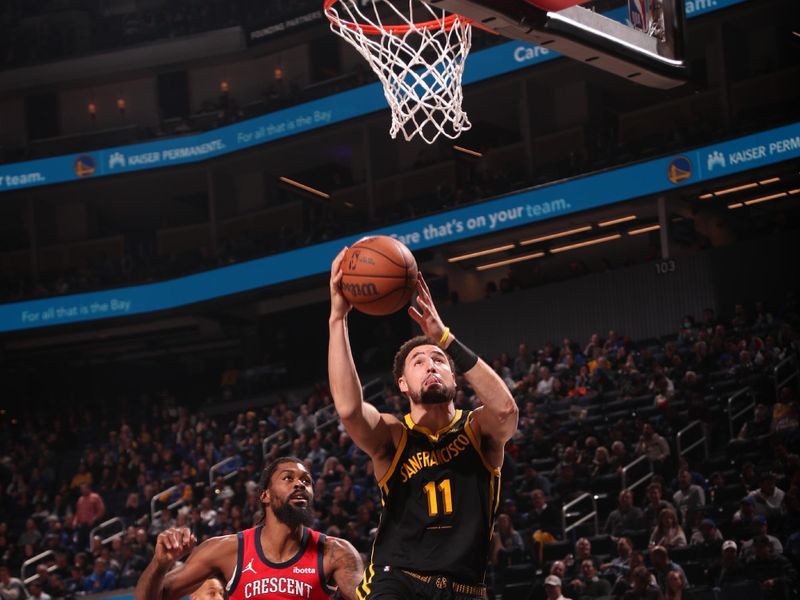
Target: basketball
(379,275)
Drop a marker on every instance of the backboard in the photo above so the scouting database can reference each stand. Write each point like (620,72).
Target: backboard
(648,49)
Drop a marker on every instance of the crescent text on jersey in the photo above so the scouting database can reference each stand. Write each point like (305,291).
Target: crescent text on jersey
(278,585)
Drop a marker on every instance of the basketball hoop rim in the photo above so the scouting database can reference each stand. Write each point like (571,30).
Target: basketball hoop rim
(447,23)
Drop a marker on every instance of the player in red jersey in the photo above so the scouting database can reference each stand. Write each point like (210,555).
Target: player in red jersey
(282,559)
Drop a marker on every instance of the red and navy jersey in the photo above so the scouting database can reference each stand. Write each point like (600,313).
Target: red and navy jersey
(299,578)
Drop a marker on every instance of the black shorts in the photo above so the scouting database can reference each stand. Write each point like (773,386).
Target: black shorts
(389,583)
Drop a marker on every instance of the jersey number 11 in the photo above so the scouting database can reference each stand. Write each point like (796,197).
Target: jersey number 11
(433,500)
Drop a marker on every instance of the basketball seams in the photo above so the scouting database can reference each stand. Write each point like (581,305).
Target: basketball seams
(383,254)
(408,284)
(402,290)
(403,300)
(373,276)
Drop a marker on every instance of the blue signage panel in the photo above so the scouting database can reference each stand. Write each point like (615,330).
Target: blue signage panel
(358,102)
(530,206)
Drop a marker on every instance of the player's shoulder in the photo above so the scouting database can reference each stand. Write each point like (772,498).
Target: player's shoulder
(336,543)
(472,416)
(221,544)
(391,420)
(396,428)
(336,547)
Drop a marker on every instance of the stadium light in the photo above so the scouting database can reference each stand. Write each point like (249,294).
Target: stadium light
(616,221)
(468,151)
(304,187)
(644,229)
(746,186)
(553,236)
(480,253)
(765,198)
(601,240)
(738,188)
(509,261)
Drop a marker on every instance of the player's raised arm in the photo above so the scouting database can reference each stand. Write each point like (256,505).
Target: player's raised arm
(497,418)
(161,580)
(365,425)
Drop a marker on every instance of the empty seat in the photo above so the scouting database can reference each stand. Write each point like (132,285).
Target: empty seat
(543,464)
(701,592)
(517,591)
(521,573)
(607,484)
(742,590)
(729,494)
(708,552)
(616,405)
(695,572)
(556,550)
(640,401)
(620,414)
(682,554)
(640,539)
(602,544)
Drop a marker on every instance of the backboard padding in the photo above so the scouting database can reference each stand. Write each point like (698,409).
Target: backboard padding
(590,37)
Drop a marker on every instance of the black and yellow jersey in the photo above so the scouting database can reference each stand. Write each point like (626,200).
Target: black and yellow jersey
(439,500)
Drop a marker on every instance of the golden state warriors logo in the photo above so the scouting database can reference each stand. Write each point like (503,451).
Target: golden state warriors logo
(85,166)
(679,169)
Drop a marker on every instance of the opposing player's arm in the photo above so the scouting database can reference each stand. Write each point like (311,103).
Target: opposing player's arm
(497,419)
(370,430)
(344,566)
(162,580)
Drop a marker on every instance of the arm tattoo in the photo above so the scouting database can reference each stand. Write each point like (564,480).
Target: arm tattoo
(346,566)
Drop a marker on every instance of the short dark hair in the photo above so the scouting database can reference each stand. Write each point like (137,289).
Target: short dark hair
(269,471)
(405,350)
(216,576)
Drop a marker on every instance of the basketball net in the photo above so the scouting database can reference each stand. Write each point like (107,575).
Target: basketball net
(418,56)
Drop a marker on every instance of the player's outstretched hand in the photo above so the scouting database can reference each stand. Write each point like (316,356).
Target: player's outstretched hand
(172,544)
(426,316)
(339,304)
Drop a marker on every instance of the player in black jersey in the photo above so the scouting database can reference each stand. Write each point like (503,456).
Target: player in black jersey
(438,469)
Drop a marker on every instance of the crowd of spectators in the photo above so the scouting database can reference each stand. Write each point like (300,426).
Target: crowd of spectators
(587,411)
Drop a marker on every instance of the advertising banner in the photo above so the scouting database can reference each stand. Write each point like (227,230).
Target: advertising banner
(482,65)
(521,208)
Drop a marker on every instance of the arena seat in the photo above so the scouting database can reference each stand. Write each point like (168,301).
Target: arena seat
(742,590)
(602,544)
(556,550)
(702,592)
(695,572)
(682,554)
